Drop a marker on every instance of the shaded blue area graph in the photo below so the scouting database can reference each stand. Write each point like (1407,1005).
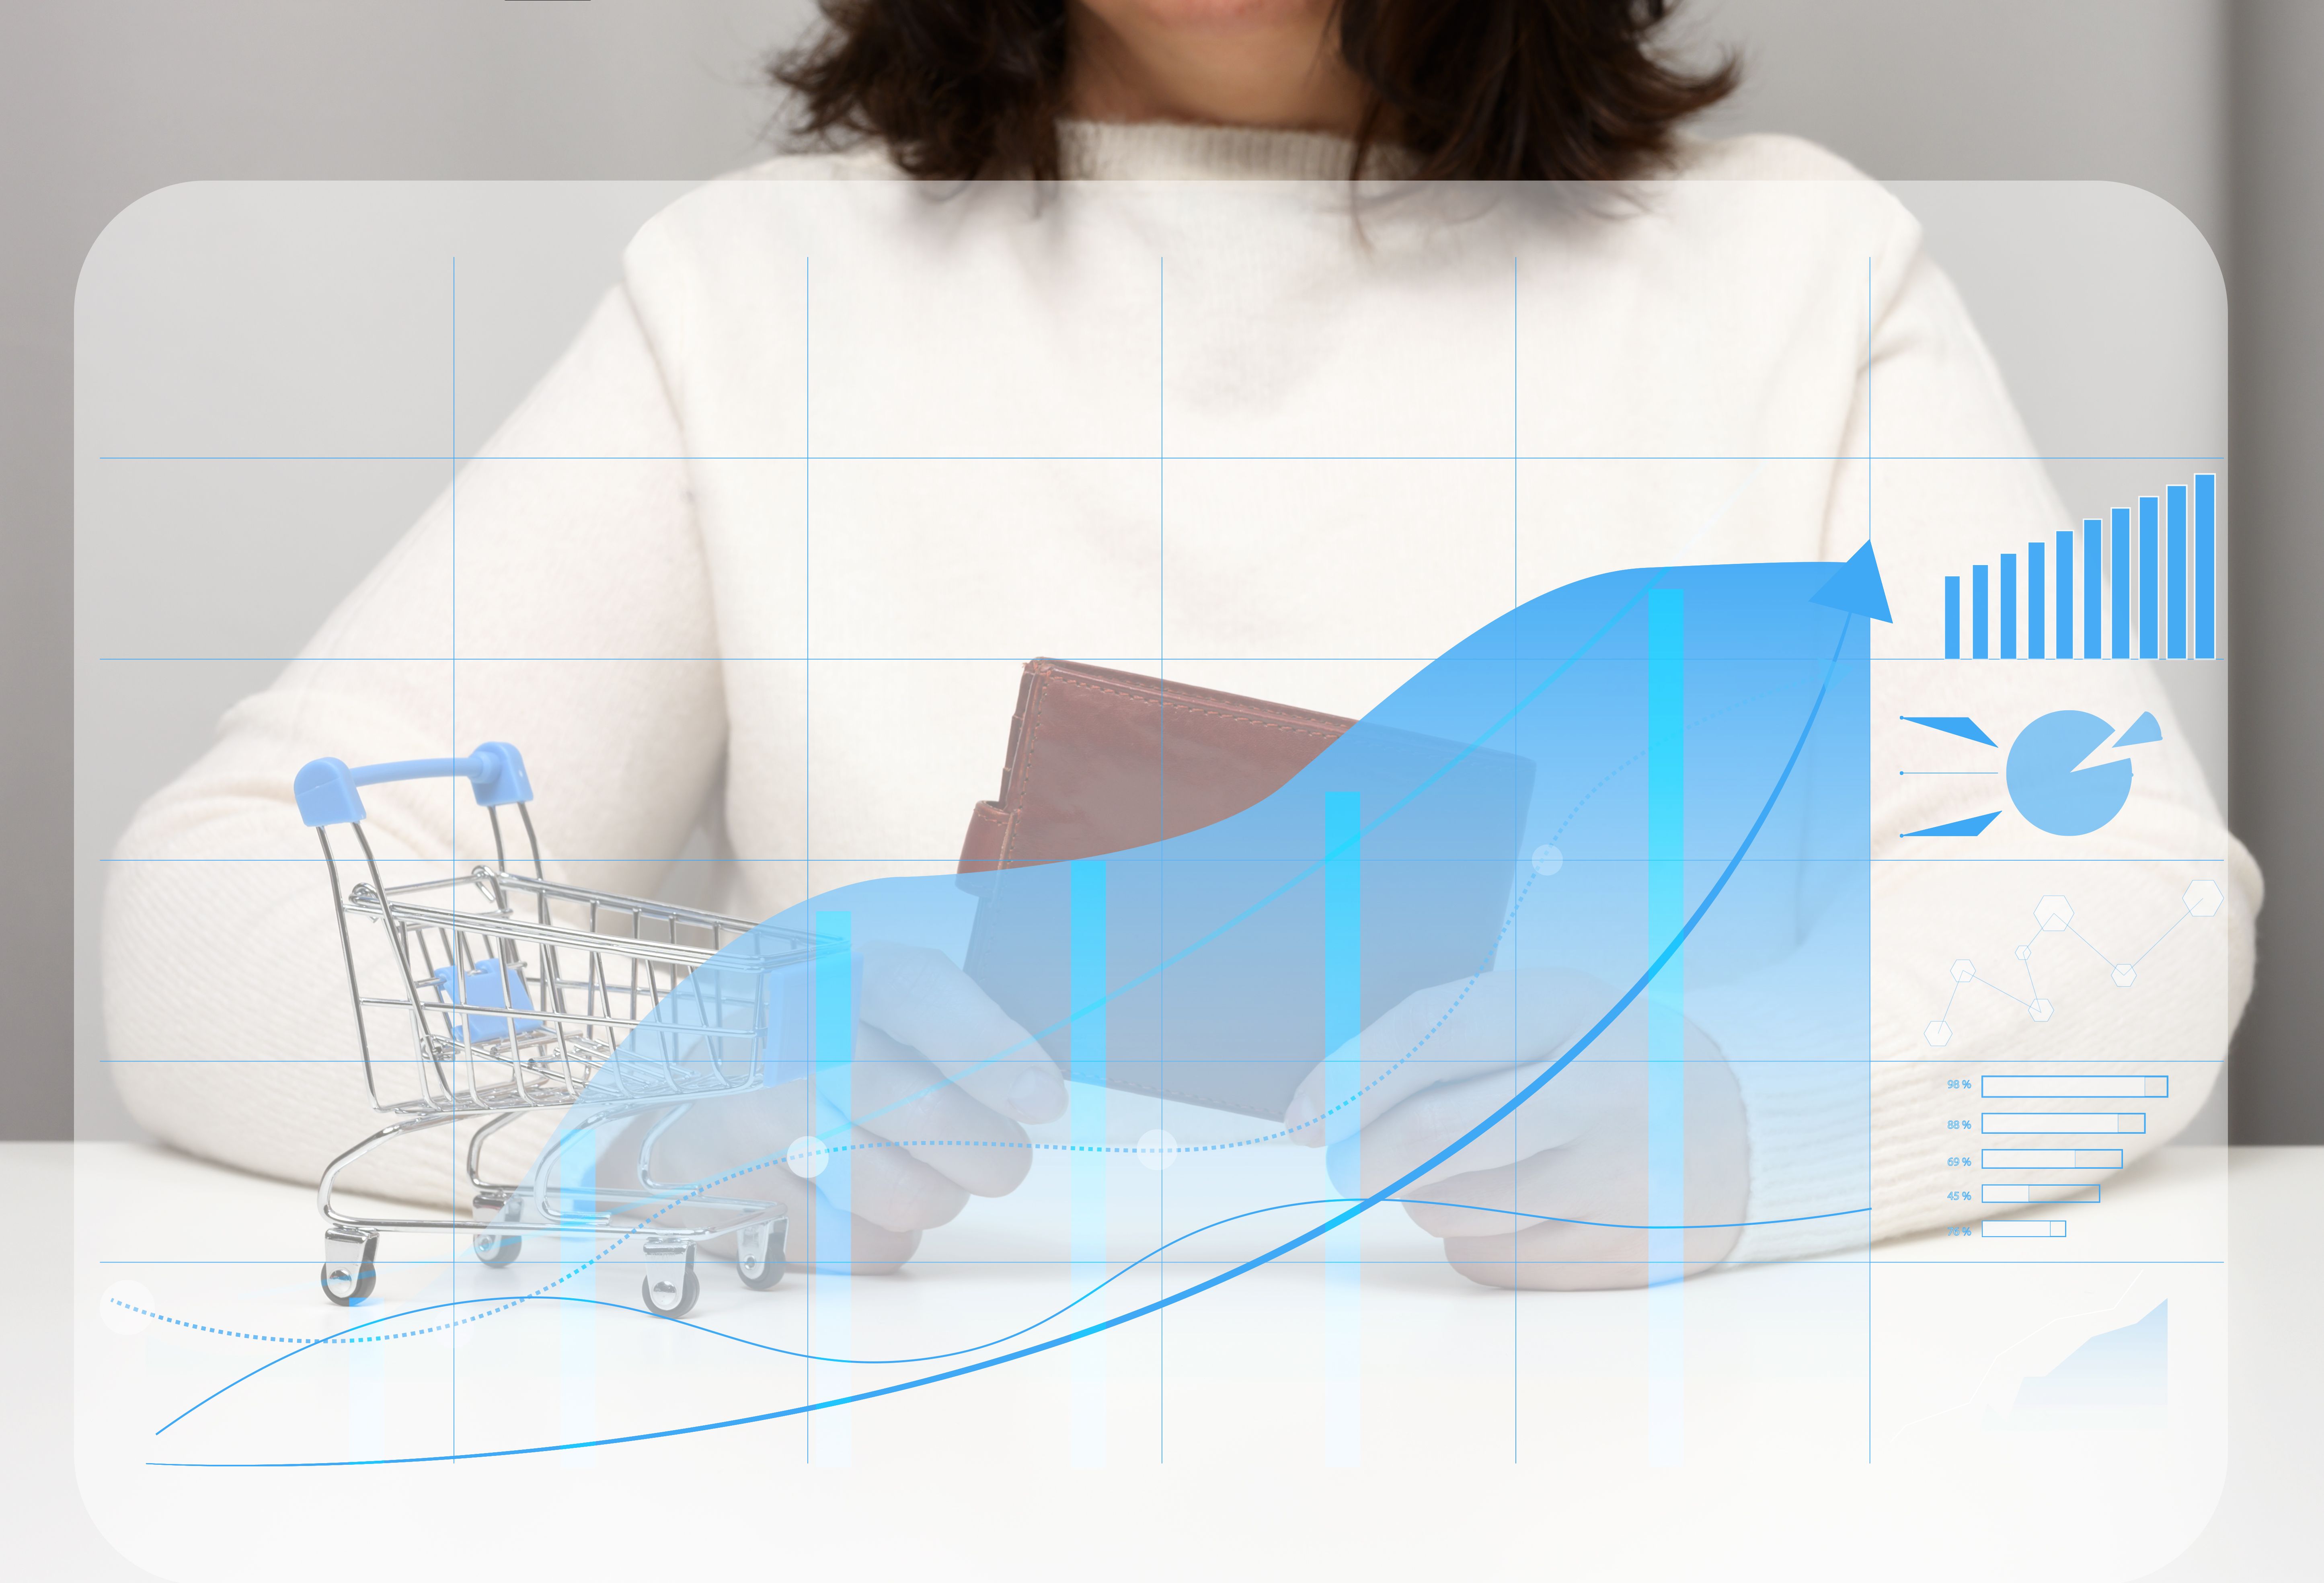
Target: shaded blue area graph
(2117,1380)
(1776,854)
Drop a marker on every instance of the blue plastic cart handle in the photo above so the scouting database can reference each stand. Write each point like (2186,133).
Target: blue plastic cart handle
(326,789)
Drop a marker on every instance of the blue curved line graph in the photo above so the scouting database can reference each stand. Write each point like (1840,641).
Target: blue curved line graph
(1498,1115)
(349,1334)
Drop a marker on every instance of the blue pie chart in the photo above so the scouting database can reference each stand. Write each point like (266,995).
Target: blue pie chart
(2049,782)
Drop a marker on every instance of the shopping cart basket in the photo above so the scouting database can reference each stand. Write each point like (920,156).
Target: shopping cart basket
(499,993)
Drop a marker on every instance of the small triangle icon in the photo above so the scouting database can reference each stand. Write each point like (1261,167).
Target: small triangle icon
(1856,588)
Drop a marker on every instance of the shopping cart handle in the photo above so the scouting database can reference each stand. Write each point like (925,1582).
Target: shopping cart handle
(326,789)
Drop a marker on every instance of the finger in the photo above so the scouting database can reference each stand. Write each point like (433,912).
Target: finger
(1554,1258)
(917,997)
(1439,1035)
(830,1242)
(888,1090)
(876,1180)
(1580,1258)
(758,1144)
(1434,1120)
(902,1098)
(1576,1184)
(1604,1174)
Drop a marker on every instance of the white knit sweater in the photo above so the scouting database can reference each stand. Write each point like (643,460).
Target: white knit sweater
(663,604)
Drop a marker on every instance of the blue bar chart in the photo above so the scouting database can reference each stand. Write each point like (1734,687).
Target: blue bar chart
(2149,595)
(2152,595)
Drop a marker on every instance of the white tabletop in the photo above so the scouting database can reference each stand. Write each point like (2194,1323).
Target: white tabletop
(1490,1434)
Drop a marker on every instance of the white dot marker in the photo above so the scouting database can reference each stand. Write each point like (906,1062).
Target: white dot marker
(2126,976)
(1157,1149)
(2024,952)
(2042,1011)
(1547,860)
(807,1157)
(115,1309)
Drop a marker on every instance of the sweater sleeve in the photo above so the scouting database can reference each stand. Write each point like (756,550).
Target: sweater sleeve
(2105,953)
(555,596)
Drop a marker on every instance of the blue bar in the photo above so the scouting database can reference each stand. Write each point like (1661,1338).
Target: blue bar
(2120,647)
(2065,650)
(1086,971)
(2036,602)
(1343,1080)
(2049,1159)
(2206,512)
(2150,581)
(831,1091)
(2092,587)
(2073,1086)
(1952,618)
(834,1063)
(2009,623)
(1086,1110)
(2175,557)
(1977,599)
(1343,913)
(2076,1122)
(2030,1192)
(1667,1085)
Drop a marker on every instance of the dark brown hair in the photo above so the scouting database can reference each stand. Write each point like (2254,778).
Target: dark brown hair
(1506,90)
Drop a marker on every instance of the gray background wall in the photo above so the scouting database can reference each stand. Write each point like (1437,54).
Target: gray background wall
(2199,101)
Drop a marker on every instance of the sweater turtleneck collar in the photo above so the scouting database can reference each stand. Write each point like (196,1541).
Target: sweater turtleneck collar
(1167,152)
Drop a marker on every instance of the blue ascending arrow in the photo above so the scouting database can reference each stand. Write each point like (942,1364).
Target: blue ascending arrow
(1856,588)
(1960,826)
(1953,726)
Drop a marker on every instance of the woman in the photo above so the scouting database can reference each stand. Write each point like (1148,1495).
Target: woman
(765,626)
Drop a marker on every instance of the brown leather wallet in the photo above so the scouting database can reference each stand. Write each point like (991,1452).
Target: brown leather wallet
(1105,762)
(1102,761)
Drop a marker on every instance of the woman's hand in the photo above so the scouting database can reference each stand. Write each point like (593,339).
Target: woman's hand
(939,1081)
(1443,1061)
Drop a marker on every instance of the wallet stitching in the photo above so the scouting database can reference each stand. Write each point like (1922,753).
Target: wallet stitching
(1022,776)
(1166,701)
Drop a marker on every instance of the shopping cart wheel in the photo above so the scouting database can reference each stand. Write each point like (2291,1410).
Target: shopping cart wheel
(497,1251)
(670,1286)
(348,1272)
(759,1254)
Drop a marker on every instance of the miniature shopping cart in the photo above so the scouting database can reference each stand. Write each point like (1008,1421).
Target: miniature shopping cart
(494,993)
